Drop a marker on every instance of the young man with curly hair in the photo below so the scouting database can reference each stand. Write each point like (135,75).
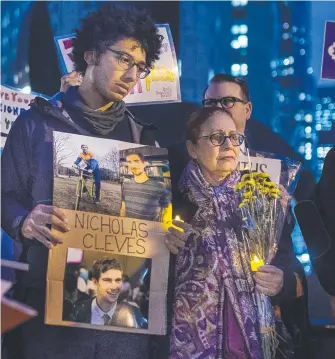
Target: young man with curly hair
(114,47)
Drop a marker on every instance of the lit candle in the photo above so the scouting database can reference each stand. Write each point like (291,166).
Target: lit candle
(256,263)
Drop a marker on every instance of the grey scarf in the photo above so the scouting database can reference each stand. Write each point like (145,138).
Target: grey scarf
(97,122)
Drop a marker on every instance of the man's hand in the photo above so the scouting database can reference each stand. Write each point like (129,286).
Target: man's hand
(72,79)
(176,239)
(34,226)
(269,280)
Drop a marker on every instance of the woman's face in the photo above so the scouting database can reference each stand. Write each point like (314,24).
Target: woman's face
(215,162)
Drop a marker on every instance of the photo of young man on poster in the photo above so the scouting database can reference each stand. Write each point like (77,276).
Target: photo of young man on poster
(144,197)
(105,308)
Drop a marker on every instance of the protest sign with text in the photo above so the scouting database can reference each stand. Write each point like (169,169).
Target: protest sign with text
(117,200)
(13,103)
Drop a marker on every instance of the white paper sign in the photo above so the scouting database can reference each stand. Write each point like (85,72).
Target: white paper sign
(160,86)
(13,103)
(260,164)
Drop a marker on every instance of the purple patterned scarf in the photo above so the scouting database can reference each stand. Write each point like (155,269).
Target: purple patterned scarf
(215,313)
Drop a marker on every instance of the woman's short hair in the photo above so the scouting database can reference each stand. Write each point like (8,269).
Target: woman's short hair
(198,118)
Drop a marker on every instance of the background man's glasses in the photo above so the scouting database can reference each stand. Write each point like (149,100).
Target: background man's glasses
(126,62)
(218,139)
(225,102)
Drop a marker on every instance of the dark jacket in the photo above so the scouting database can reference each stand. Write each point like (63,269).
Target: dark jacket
(324,199)
(27,180)
(125,315)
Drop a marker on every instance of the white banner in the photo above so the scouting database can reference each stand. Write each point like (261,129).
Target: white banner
(13,103)
(260,164)
(162,84)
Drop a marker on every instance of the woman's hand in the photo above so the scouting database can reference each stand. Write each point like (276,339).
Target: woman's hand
(269,280)
(176,239)
(72,79)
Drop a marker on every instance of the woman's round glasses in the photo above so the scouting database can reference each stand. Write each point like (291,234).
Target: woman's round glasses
(127,62)
(219,138)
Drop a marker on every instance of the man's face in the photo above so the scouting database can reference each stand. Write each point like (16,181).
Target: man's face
(109,285)
(109,78)
(137,167)
(85,149)
(240,112)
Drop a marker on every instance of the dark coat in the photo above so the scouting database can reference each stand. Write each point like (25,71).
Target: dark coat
(27,180)
(324,199)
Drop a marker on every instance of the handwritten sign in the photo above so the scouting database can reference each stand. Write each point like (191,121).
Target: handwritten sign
(160,86)
(328,57)
(13,103)
(126,239)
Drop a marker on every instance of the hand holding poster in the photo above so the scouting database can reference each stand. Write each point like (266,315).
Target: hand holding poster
(160,86)
(111,270)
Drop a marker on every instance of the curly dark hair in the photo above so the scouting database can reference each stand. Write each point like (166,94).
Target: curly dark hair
(103,265)
(110,24)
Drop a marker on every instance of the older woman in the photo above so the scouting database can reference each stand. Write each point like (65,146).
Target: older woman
(215,313)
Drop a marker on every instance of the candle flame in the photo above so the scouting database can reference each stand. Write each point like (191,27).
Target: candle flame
(177,218)
(256,259)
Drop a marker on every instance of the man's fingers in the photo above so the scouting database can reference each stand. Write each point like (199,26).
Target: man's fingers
(183,225)
(171,247)
(48,235)
(266,277)
(72,74)
(175,241)
(180,235)
(267,268)
(54,211)
(263,283)
(41,238)
(54,221)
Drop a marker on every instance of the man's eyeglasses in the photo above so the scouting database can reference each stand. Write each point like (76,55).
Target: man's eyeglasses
(219,138)
(127,62)
(225,102)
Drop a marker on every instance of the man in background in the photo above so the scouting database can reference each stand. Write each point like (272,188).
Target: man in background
(143,197)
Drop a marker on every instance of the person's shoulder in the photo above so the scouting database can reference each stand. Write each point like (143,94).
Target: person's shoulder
(127,307)
(330,157)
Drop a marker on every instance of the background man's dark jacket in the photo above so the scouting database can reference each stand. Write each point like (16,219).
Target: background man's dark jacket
(324,199)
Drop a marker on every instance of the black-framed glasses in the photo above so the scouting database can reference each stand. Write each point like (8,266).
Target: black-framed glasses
(225,102)
(219,138)
(127,62)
